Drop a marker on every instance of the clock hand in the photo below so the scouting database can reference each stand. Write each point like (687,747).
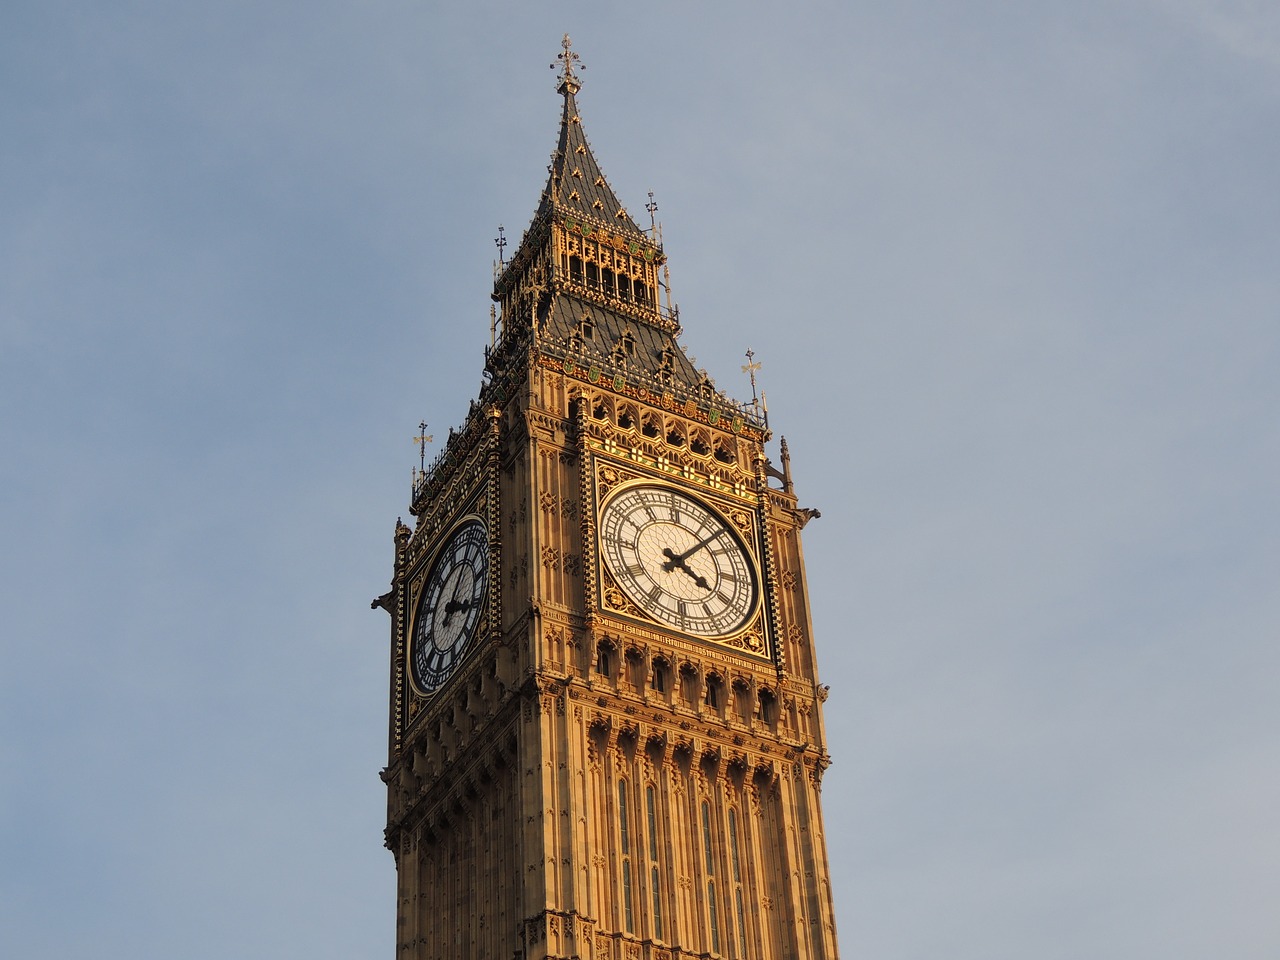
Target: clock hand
(673,561)
(677,560)
(698,578)
(453,606)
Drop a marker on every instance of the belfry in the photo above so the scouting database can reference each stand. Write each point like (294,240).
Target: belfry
(606,736)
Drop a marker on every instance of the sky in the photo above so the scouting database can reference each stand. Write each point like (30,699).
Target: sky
(1011,273)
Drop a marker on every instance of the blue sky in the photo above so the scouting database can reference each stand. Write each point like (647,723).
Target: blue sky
(1011,272)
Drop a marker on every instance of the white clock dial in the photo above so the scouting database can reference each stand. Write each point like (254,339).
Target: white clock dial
(678,560)
(451,602)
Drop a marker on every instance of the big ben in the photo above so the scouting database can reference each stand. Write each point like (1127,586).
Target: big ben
(606,736)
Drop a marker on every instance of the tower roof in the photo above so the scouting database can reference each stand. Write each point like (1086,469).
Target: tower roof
(576,187)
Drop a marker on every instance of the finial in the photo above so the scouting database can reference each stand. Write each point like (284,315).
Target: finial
(569,83)
(422,439)
(652,207)
(750,367)
(500,241)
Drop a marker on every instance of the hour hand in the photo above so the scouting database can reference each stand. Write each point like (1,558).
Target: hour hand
(452,607)
(698,578)
(676,561)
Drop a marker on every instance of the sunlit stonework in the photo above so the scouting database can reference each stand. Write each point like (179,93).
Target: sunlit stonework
(606,736)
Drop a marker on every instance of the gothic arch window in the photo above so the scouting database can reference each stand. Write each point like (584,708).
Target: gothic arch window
(651,818)
(661,675)
(715,692)
(711,913)
(651,426)
(688,684)
(742,919)
(742,704)
(736,877)
(655,876)
(733,846)
(709,866)
(587,327)
(624,831)
(635,668)
(655,893)
(700,443)
(725,454)
(604,658)
(708,855)
(575,269)
(768,705)
(626,417)
(624,845)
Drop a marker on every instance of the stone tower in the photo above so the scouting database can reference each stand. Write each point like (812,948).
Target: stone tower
(606,736)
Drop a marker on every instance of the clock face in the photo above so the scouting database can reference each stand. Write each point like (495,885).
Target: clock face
(451,602)
(678,560)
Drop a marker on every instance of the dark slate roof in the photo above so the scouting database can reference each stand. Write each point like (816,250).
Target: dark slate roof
(557,330)
(576,186)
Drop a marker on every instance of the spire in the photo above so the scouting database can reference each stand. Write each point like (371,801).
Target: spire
(576,187)
(584,286)
(569,84)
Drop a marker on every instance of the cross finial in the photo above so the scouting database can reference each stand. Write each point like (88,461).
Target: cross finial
(568,80)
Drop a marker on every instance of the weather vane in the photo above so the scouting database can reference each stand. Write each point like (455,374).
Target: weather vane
(422,439)
(567,59)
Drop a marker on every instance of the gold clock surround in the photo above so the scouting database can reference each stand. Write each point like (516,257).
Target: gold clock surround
(620,590)
(462,567)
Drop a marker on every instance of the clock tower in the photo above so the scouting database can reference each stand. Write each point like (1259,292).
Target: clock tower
(606,735)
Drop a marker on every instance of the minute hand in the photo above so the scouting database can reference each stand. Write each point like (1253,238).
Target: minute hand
(677,560)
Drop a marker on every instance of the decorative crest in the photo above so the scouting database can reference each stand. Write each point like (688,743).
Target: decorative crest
(568,79)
